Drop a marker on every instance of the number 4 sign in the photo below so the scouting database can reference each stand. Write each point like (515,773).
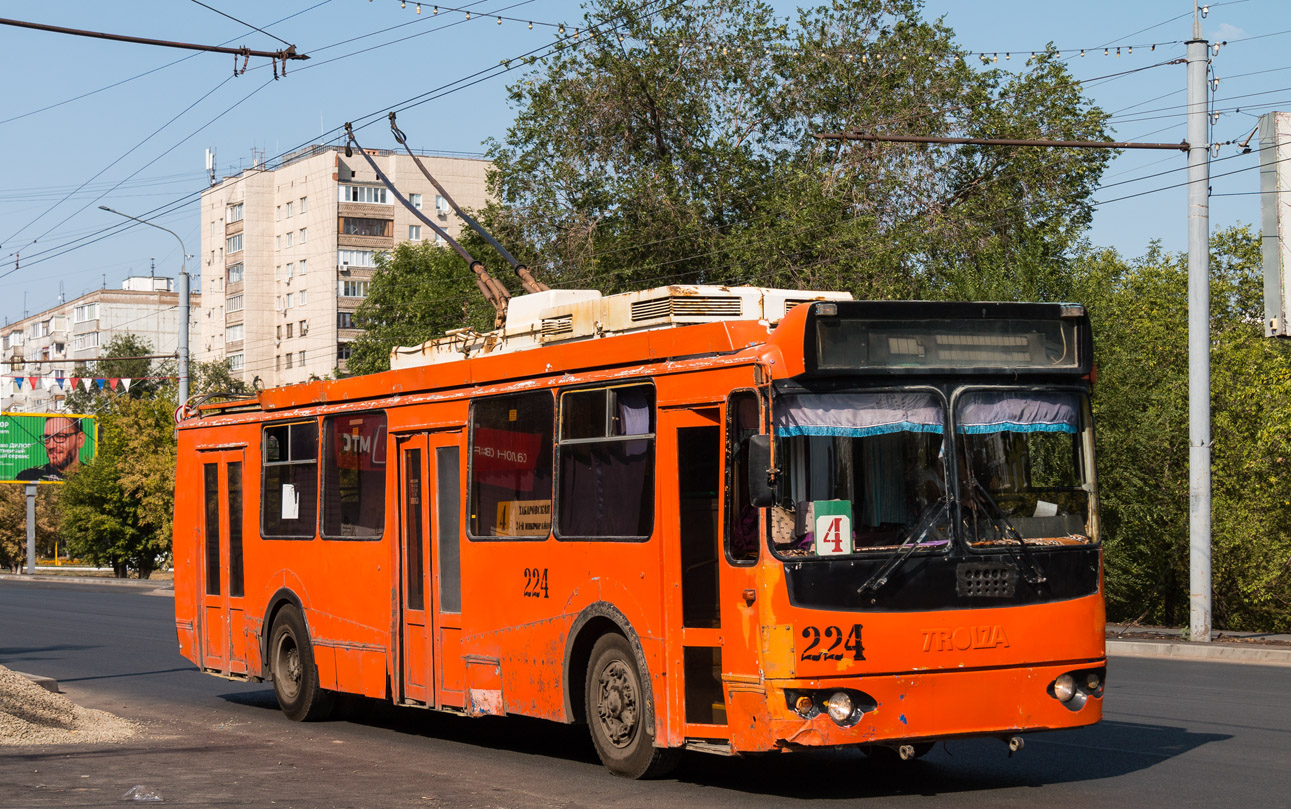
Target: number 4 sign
(833,527)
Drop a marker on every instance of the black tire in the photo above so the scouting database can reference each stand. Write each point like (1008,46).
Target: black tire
(295,676)
(617,708)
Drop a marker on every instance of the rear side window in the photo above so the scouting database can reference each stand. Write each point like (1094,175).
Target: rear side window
(354,476)
(289,500)
(606,463)
(511,451)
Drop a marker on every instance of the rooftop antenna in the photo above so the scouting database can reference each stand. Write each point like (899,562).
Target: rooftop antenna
(527,280)
(490,287)
(210,164)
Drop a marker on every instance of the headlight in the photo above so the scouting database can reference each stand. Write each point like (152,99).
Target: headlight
(1064,688)
(1092,681)
(840,707)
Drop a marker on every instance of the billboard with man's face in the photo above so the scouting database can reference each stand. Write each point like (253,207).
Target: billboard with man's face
(44,447)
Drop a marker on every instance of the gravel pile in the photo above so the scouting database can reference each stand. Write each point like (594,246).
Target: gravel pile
(30,715)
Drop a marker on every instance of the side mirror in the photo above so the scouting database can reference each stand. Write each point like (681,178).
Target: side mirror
(761,493)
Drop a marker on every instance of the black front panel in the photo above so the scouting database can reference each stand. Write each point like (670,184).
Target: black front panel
(939,582)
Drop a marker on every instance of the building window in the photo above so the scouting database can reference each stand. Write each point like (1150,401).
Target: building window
(304,234)
(233,244)
(304,327)
(277,363)
(359,226)
(289,327)
(414,233)
(291,269)
(344,320)
(354,289)
(291,237)
(302,265)
(441,205)
(278,333)
(439,239)
(342,352)
(356,258)
(235,274)
(303,207)
(301,358)
(237,362)
(289,500)
(415,199)
(83,341)
(290,207)
(235,333)
(371,194)
(234,214)
(277,303)
(85,312)
(277,242)
(291,299)
(289,357)
(233,303)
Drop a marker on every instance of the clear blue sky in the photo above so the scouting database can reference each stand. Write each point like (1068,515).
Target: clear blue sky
(140,145)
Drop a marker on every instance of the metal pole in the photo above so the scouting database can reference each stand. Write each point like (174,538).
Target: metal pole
(183,301)
(1199,441)
(183,331)
(31,528)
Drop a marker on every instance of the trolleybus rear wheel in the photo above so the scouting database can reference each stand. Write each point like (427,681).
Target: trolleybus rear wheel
(618,707)
(295,677)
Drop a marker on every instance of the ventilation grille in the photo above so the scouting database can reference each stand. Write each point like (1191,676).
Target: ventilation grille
(790,303)
(696,306)
(985,580)
(554,326)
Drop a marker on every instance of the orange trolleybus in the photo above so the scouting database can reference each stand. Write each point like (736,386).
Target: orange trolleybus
(732,520)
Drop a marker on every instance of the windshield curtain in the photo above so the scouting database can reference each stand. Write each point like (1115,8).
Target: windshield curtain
(1024,468)
(863,472)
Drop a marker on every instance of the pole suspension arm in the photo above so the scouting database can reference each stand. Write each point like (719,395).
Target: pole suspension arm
(494,292)
(1182,146)
(527,280)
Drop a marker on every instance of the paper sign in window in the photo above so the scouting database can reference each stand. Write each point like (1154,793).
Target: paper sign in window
(290,502)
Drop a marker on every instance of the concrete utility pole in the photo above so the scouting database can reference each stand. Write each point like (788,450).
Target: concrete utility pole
(183,302)
(1199,441)
(31,528)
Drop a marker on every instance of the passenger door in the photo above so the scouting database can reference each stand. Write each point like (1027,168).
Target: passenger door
(222,589)
(430,571)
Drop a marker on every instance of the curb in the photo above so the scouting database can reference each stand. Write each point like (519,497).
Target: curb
(1208,652)
(110,582)
(47,683)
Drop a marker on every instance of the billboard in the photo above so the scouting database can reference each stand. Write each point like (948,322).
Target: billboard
(44,447)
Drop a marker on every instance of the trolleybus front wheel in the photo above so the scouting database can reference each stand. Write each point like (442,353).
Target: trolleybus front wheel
(617,710)
(295,677)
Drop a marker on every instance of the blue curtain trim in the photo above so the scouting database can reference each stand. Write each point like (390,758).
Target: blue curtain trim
(859,432)
(1014,427)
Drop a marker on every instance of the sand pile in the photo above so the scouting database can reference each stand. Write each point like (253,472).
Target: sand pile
(30,715)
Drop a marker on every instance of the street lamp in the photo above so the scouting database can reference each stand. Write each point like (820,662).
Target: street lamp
(183,302)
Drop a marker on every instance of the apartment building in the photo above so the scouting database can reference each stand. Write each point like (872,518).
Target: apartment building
(288,252)
(51,344)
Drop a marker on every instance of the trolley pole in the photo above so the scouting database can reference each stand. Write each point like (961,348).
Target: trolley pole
(1199,439)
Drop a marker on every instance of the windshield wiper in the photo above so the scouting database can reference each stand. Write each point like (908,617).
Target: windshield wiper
(903,552)
(1025,562)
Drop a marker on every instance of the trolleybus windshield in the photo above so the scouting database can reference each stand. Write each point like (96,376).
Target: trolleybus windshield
(864,473)
(1024,471)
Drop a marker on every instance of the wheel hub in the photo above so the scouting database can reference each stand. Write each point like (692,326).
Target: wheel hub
(617,704)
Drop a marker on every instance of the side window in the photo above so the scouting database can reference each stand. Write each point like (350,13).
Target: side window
(511,446)
(289,500)
(606,463)
(743,526)
(354,476)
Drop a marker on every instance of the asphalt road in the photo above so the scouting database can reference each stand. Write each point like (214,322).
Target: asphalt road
(1177,734)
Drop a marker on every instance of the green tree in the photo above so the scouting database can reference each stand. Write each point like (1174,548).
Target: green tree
(123,357)
(117,509)
(13,524)
(684,151)
(418,292)
(1139,313)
